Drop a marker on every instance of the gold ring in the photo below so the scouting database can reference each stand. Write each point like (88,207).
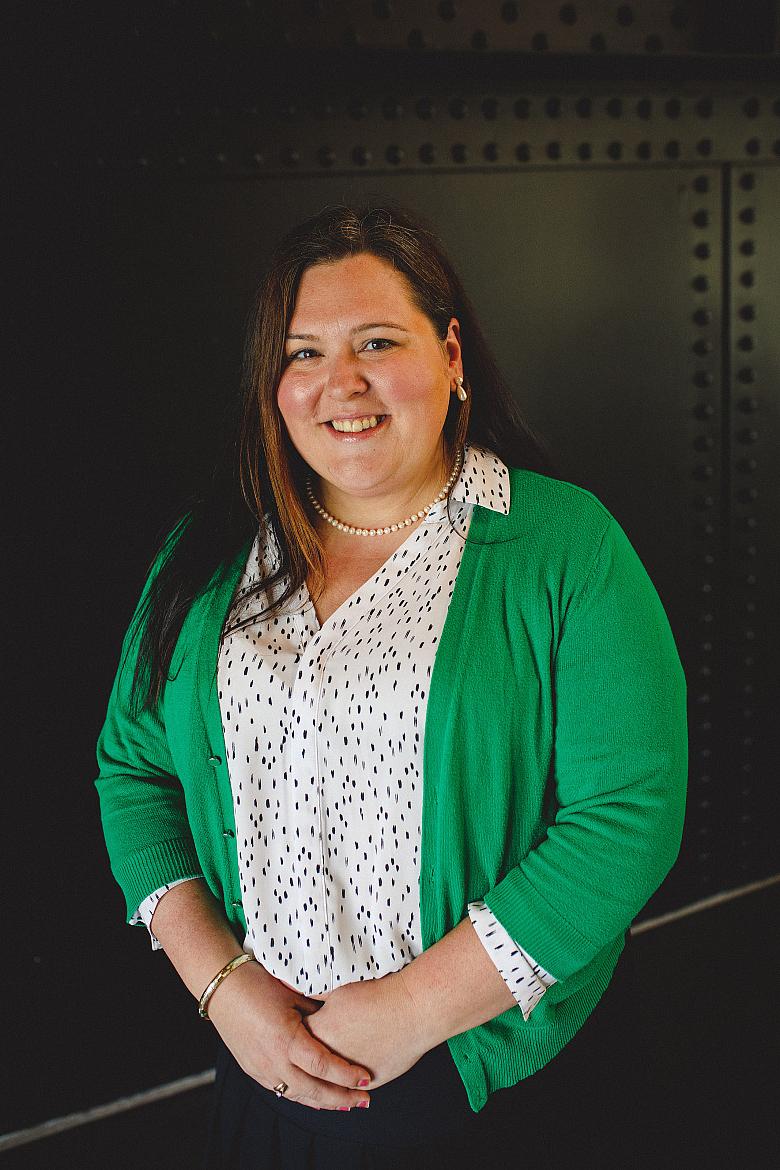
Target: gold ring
(280,1088)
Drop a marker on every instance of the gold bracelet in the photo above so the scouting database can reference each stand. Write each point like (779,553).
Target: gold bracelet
(215,982)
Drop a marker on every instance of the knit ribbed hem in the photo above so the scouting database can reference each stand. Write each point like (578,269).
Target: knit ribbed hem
(142,873)
(554,943)
(505,1050)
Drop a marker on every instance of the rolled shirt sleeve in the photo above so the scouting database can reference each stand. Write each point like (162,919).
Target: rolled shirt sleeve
(524,977)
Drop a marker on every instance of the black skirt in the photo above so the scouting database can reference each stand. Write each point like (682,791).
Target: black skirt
(591,1106)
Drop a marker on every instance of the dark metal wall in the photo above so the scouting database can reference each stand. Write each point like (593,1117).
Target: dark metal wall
(607,181)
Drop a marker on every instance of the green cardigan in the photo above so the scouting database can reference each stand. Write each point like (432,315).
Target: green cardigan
(554,764)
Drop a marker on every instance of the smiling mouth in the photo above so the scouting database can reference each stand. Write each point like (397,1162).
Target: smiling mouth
(355,425)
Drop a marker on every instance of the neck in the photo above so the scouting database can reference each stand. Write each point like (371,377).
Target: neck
(383,508)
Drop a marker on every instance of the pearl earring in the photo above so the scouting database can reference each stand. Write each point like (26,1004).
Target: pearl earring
(461,391)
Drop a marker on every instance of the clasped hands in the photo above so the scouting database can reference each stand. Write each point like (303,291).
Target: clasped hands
(374,1023)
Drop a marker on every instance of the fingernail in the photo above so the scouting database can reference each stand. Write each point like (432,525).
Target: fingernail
(364,1083)
(363,1104)
(344,1107)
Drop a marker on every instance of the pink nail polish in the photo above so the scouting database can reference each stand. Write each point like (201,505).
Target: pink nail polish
(344,1107)
(364,1083)
(363,1104)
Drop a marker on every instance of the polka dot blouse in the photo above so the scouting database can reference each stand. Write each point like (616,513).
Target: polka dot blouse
(324,728)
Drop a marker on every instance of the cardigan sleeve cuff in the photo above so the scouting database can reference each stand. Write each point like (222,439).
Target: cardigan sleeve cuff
(524,977)
(150,869)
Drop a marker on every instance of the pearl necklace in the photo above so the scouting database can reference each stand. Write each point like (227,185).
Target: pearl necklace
(391,527)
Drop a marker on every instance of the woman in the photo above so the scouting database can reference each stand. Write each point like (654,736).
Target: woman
(397,747)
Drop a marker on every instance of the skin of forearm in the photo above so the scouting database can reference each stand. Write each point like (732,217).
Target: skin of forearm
(455,985)
(195,934)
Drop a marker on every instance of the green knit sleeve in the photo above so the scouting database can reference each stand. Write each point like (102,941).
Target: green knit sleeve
(620,769)
(142,805)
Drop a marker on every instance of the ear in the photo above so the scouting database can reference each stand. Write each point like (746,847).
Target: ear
(453,350)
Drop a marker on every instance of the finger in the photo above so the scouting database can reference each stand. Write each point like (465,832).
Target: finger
(317,1094)
(314,1058)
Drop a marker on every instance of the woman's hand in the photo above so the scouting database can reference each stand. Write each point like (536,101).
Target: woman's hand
(373,1022)
(261,1020)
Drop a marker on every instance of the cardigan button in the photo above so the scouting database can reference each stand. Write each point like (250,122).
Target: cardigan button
(228,833)
(214,761)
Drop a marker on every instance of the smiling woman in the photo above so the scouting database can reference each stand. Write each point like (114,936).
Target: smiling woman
(365,411)
(397,746)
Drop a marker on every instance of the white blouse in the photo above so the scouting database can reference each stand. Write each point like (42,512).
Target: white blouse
(324,728)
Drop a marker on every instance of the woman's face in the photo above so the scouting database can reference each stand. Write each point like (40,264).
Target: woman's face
(358,349)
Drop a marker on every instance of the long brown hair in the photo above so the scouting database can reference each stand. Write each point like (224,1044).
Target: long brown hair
(265,485)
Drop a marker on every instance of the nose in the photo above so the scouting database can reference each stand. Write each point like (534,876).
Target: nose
(345,377)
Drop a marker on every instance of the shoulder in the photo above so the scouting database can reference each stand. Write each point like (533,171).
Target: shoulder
(539,501)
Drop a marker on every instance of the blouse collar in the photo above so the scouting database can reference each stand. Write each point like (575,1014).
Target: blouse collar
(484,480)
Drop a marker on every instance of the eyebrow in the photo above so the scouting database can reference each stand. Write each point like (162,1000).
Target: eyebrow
(357,329)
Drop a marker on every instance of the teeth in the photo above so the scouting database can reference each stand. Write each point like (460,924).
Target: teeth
(356,424)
